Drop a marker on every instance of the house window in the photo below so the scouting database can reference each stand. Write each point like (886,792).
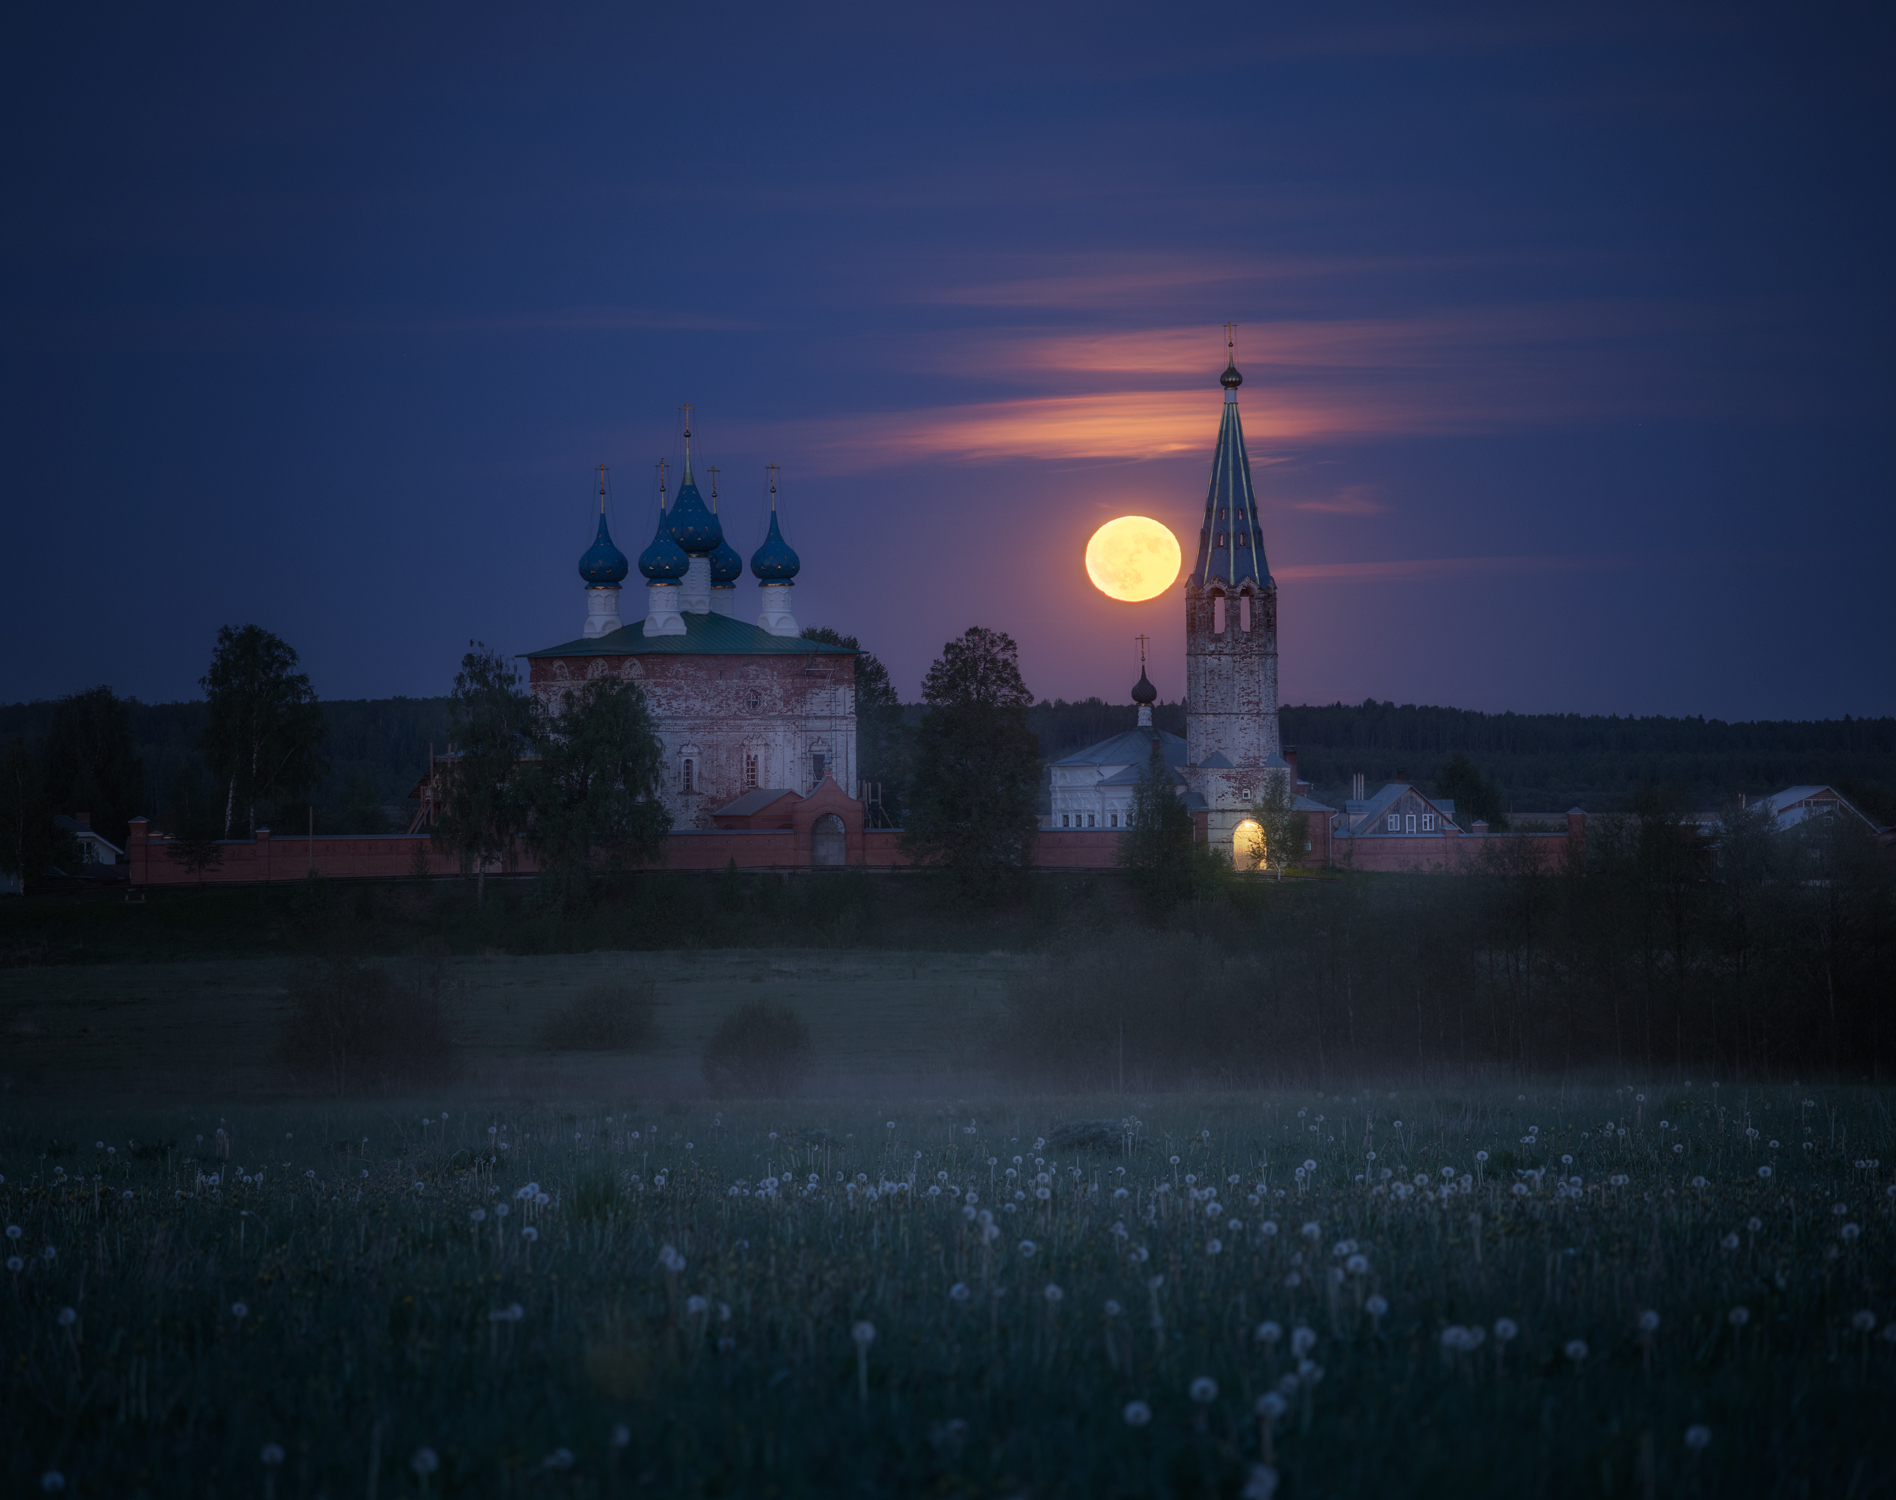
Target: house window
(1428,822)
(750,771)
(1066,820)
(1089,820)
(1395,823)
(1112,820)
(1411,828)
(817,761)
(688,783)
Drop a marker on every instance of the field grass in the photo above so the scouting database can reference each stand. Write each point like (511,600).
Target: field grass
(671,1304)
(193,1028)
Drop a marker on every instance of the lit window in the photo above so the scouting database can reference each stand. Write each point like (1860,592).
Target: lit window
(688,786)
(1428,822)
(1395,823)
(750,772)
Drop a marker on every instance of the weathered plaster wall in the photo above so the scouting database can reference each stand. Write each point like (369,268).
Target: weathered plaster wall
(716,710)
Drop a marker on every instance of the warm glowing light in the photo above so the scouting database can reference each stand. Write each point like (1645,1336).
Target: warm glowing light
(1247,845)
(1133,558)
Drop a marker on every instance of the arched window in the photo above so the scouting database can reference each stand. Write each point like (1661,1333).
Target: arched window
(687,781)
(750,770)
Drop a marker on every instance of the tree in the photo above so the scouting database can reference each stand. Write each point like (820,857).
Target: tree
(264,729)
(1283,829)
(881,742)
(91,763)
(1476,797)
(30,846)
(191,819)
(1157,846)
(484,808)
(976,787)
(595,791)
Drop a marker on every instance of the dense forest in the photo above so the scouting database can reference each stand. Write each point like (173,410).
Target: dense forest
(376,750)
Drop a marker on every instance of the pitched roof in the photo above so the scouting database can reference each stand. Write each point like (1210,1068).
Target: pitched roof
(1133,748)
(754,801)
(1360,817)
(705,635)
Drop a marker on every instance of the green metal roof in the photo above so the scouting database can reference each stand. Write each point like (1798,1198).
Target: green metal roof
(705,635)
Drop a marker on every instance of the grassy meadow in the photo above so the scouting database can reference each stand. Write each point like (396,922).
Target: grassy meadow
(903,1292)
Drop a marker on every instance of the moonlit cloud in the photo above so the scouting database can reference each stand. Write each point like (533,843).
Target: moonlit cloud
(1397,570)
(1352,500)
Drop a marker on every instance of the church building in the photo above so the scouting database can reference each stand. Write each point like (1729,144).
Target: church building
(740,709)
(1231,745)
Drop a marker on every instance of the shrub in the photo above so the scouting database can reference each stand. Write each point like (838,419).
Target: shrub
(760,1051)
(355,1027)
(614,1015)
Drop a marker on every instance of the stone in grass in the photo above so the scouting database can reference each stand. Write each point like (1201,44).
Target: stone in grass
(1095,1135)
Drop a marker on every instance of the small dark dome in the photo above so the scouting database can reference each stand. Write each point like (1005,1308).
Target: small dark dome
(694,525)
(1143,692)
(664,560)
(726,565)
(603,564)
(1231,379)
(774,562)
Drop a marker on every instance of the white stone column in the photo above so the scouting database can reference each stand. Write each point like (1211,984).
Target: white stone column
(776,617)
(661,610)
(696,595)
(724,600)
(602,610)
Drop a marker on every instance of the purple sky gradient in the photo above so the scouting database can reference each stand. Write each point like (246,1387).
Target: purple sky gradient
(1565,336)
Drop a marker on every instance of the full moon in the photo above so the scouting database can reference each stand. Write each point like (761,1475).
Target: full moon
(1133,558)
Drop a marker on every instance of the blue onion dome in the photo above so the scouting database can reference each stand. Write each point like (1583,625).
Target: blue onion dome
(1143,692)
(1231,379)
(726,565)
(664,559)
(603,564)
(694,525)
(774,562)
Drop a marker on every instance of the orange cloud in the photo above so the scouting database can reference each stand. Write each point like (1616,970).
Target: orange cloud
(1116,425)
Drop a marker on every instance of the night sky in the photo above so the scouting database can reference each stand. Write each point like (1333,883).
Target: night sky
(1566,333)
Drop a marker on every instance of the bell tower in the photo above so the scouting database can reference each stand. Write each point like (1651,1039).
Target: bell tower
(1231,734)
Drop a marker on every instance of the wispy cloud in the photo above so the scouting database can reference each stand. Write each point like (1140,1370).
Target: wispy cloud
(1396,570)
(1110,425)
(1353,500)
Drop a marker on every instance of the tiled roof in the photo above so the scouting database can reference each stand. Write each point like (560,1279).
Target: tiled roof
(705,635)
(754,801)
(1133,748)
(1231,541)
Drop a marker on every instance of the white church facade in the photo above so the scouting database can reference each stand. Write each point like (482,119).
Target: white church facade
(740,708)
